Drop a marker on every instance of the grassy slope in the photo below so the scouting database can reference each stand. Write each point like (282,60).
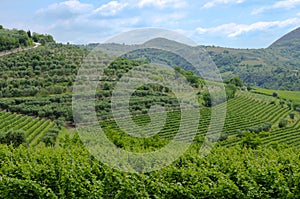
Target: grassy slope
(289,95)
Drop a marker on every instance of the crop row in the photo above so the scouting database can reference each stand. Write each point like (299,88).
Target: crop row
(242,112)
(34,128)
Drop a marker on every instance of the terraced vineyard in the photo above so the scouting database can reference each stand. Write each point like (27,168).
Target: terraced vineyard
(34,128)
(243,111)
(289,135)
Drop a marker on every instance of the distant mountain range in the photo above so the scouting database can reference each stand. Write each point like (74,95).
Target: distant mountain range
(275,67)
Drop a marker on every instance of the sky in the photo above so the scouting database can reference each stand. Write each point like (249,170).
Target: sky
(226,23)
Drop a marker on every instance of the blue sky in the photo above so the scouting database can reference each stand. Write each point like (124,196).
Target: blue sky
(228,23)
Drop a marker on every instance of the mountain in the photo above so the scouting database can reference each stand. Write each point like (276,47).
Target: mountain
(291,41)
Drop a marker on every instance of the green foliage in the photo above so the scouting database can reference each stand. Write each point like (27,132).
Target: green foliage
(194,80)
(258,129)
(251,140)
(275,68)
(217,96)
(50,137)
(207,99)
(10,39)
(19,188)
(225,60)
(18,129)
(230,90)
(282,123)
(15,138)
(264,134)
(293,97)
(43,39)
(236,81)
(71,172)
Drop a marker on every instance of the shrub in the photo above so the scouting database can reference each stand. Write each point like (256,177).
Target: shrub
(282,123)
(19,188)
(15,138)
(251,140)
(264,134)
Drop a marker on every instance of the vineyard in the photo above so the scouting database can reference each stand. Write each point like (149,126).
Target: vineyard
(35,128)
(256,153)
(71,172)
(49,96)
(243,112)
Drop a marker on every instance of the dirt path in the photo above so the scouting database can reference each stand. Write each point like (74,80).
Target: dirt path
(8,52)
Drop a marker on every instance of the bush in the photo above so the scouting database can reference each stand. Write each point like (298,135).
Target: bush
(251,140)
(223,137)
(282,123)
(264,134)
(258,129)
(16,138)
(236,81)
(18,188)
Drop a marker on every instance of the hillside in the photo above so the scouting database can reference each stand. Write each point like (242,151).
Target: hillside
(289,41)
(274,68)
(250,144)
(27,90)
(12,39)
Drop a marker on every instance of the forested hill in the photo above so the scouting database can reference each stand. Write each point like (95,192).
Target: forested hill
(11,39)
(274,67)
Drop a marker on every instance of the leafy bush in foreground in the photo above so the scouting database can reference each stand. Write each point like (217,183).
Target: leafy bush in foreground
(71,172)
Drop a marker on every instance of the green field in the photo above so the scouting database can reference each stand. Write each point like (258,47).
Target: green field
(288,95)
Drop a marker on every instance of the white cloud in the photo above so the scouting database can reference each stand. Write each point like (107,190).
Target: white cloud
(162,3)
(70,7)
(111,8)
(233,29)
(79,22)
(64,10)
(217,2)
(286,4)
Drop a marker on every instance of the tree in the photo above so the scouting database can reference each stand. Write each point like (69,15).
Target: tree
(207,99)
(224,136)
(251,140)
(282,123)
(29,34)
(230,91)
(236,81)
(249,88)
